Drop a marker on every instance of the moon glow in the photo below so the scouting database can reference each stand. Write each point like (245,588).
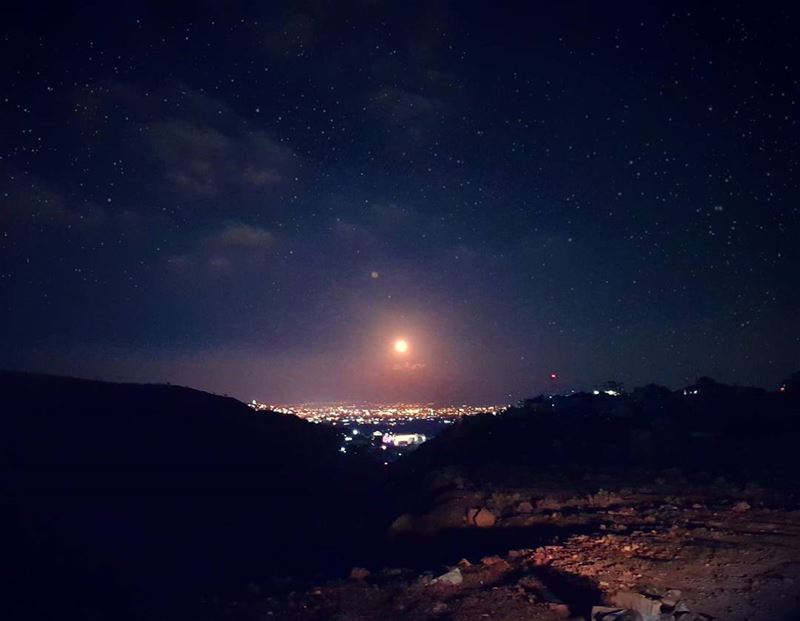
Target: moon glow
(401,346)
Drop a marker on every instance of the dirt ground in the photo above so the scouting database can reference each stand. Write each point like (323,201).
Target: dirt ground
(733,552)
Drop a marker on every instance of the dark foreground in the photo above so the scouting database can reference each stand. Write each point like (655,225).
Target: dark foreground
(732,552)
(161,502)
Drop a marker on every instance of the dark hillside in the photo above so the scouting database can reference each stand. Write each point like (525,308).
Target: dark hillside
(121,494)
(710,427)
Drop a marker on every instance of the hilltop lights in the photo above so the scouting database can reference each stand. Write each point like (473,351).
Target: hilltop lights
(610,393)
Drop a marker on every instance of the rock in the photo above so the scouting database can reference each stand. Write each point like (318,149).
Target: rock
(629,615)
(671,598)
(540,558)
(464,563)
(741,507)
(359,573)
(561,610)
(452,577)
(402,524)
(496,563)
(522,553)
(482,518)
(647,607)
(525,507)
(439,608)
(607,613)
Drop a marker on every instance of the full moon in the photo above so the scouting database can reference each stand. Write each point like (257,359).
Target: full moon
(401,346)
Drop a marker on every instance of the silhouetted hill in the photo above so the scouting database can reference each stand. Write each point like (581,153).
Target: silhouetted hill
(124,495)
(708,426)
(57,422)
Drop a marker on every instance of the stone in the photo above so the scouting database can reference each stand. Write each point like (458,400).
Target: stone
(741,507)
(452,577)
(359,573)
(608,613)
(482,518)
(540,557)
(671,598)
(525,507)
(425,579)
(561,610)
(489,561)
(402,524)
(647,607)
(464,563)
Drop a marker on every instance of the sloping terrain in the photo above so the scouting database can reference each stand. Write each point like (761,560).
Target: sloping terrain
(124,497)
(695,552)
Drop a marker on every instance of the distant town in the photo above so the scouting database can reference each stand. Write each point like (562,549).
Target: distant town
(387,430)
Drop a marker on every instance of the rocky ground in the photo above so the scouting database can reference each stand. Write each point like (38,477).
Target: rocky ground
(506,548)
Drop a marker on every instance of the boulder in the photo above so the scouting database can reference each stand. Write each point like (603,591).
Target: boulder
(648,608)
(482,518)
(608,613)
(452,577)
(671,598)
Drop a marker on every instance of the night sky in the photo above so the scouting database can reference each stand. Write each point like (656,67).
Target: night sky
(259,198)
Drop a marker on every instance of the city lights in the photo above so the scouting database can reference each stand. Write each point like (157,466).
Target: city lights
(377,414)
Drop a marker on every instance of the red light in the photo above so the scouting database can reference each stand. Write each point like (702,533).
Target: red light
(553,376)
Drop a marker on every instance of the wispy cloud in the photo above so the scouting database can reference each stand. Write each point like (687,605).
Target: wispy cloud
(230,246)
(203,161)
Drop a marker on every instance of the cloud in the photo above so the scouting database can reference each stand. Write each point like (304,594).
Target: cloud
(242,236)
(202,161)
(408,367)
(231,246)
(204,148)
